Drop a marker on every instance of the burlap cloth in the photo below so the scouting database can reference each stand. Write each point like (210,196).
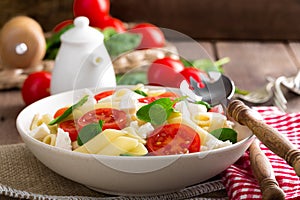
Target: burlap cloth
(24,177)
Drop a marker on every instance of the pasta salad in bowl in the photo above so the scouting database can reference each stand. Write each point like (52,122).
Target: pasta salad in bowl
(132,139)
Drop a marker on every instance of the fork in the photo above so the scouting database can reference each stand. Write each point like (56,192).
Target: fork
(259,96)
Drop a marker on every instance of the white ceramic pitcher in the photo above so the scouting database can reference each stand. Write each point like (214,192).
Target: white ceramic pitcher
(82,60)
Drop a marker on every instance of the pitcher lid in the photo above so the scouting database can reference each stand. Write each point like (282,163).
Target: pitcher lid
(82,32)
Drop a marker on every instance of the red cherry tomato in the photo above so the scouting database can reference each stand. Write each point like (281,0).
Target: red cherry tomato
(59,112)
(164,72)
(36,86)
(62,25)
(113,118)
(111,22)
(94,10)
(151,99)
(104,94)
(70,127)
(152,36)
(188,72)
(173,139)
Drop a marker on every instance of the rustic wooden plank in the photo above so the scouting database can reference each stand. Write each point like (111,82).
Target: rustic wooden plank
(206,19)
(11,105)
(251,62)
(254,61)
(192,50)
(295,48)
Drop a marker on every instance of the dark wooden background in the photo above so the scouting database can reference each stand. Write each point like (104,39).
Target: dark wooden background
(200,19)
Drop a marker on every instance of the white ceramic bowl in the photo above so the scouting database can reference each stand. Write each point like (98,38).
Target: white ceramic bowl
(125,174)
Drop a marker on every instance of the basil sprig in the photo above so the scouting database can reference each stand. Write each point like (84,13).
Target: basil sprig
(224,134)
(158,111)
(69,111)
(89,131)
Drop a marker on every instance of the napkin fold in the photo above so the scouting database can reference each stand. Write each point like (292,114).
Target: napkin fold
(238,178)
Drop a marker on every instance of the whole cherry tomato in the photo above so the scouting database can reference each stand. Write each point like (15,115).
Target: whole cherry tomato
(173,139)
(62,25)
(36,86)
(189,72)
(164,72)
(113,118)
(94,10)
(109,21)
(152,36)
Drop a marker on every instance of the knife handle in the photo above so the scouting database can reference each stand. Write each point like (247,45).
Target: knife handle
(270,137)
(264,174)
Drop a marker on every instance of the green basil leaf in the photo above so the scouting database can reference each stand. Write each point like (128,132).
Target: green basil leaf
(120,43)
(207,105)
(88,132)
(69,111)
(140,92)
(224,134)
(156,112)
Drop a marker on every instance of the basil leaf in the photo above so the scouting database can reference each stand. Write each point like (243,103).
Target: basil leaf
(224,134)
(69,111)
(120,43)
(140,92)
(88,132)
(156,112)
(207,105)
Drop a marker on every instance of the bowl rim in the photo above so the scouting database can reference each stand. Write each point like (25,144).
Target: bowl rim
(26,137)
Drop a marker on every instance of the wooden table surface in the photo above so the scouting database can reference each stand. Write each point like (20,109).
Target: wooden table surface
(250,63)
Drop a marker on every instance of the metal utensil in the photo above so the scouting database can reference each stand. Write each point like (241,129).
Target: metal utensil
(218,88)
(292,83)
(259,96)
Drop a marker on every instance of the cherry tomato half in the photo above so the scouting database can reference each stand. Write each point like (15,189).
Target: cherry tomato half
(36,86)
(111,22)
(70,127)
(152,36)
(113,118)
(164,72)
(104,94)
(94,10)
(151,99)
(173,139)
(59,112)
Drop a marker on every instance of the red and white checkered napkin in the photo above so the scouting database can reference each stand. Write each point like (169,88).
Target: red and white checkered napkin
(238,178)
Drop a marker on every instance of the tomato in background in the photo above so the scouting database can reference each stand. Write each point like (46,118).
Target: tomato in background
(173,139)
(164,72)
(94,10)
(113,118)
(36,86)
(109,21)
(188,72)
(62,25)
(152,36)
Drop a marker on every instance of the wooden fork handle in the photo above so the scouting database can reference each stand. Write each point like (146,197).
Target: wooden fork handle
(263,172)
(269,136)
